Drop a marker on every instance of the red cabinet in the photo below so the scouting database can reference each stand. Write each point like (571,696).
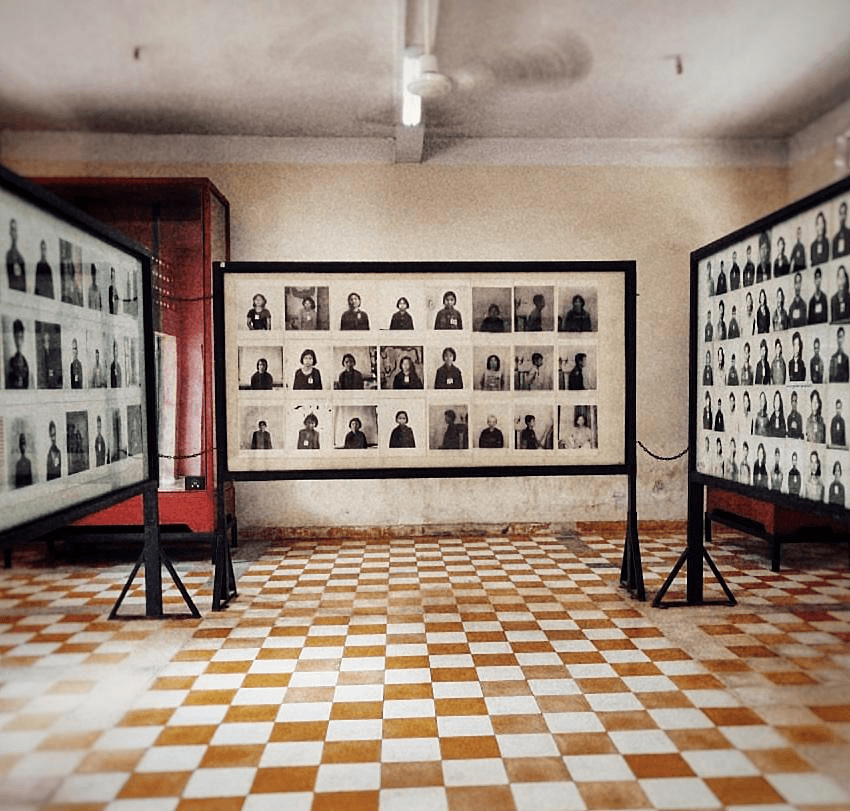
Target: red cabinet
(184,222)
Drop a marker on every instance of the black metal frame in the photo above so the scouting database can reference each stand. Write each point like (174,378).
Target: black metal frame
(631,569)
(695,553)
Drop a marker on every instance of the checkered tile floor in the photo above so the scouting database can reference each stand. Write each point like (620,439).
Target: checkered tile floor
(431,673)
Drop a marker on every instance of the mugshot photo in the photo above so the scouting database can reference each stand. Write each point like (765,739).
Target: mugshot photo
(492,368)
(402,425)
(534,427)
(402,367)
(77,440)
(492,309)
(307,308)
(449,307)
(534,308)
(260,367)
(19,366)
(356,367)
(353,306)
(577,368)
(19,441)
(261,427)
(355,427)
(400,308)
(577,309)
(71,273)
(48,339)
(577,427)
(533,368)
(309,426)
(491,426)
(454,367)
(448,427)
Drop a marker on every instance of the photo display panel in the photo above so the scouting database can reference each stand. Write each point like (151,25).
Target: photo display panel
(73,413)
(392,366)
(770,334)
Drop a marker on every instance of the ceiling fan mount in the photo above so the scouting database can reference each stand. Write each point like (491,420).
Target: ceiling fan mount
(430,83)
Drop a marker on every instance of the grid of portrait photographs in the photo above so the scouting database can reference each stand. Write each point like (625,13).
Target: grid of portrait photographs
(390,368)
(774,376)
(72,421)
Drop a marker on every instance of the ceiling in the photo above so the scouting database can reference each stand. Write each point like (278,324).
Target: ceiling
(331,68)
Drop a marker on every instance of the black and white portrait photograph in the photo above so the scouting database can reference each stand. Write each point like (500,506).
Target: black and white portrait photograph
(534,427)
(261,427)
(77,440)
(577,367)
(48,338)
(450,373)
(448,427)
(577,309)
(492,368)
(309,426)
(449,307)
(401,367)
(261,367)
(21,466)
(135,433)
(577,428)
(71,272)
(491,426)
(307,308)
(355,427)
(533,368)
(19,367)
(492,309)
(534,308)
(356,367)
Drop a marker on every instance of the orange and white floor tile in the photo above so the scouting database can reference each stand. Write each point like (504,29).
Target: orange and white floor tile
(508,673)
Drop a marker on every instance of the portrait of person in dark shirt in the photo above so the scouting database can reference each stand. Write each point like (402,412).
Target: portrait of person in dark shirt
(76,369)
(261,439)
(355,439)
(493,321)
(17,368)
(820,247)
(747,377)
(350,379)
(762,313)
(734,272)
(54,455)
(816,367)
(796,366)
(49,359)
(95,299)
(721,286)
(23,467)
(308,377)
(491,436)
(763,268)
(448,376)
(839,364)
(354,318)
(839,305)
(402,435)
(707,371)
(836,487)
(259,317)
(794,422)
(43,274)
(781,265)
(797,310)
(455,435)
(577,318)
(15,265)
(837,431)
(795,478)
(708,331)
(308,436)
(407,377)
(449,317)
(798,252)
(732,378)
(262,379)
(749,272)
(401,318)
(734,328)
(720,331)
(841,240)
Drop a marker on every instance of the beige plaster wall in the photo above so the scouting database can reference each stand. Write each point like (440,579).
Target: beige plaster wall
(654,215)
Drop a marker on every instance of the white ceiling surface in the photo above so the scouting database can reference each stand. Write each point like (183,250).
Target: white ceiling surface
(330,68)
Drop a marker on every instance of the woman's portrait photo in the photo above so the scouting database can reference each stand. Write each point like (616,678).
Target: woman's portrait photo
(354,317)
(401,367)
(260,367)
(259,317)
(491,309)
(307,377)
(355,427)
(402,435)
(306,308)
(448,376)
(492,368)
(534,309)
(577,427)
(402,426)
(449,317)
(577,310)
(357,367)
(309,427)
